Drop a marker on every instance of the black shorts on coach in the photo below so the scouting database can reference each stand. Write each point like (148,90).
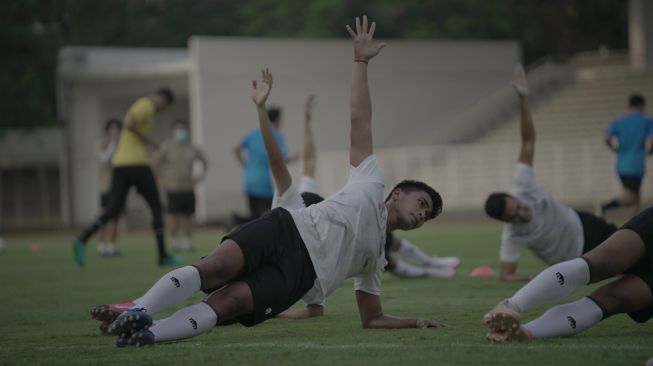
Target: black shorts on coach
(631,183)
(642,224)
(181,202)
(278,268)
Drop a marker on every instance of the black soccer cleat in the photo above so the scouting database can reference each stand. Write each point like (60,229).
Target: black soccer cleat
(130,322)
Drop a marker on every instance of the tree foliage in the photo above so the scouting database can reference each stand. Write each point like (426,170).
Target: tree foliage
(33,31)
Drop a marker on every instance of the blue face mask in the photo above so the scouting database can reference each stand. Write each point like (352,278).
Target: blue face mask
(181,135)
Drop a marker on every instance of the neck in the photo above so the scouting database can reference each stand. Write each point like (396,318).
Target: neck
(391,222)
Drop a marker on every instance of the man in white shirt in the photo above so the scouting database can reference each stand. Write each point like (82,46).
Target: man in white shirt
(265,266)
(533,219)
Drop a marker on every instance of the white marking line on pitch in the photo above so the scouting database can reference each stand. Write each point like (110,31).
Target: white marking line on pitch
(358,346)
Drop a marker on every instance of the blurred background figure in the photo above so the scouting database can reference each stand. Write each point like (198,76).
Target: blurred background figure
(131,167)
(173,163)
(631,137)
(107,235)
(251,155)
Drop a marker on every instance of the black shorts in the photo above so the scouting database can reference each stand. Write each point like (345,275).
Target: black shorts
(595,230)
(642,224)
(181,202)
(278,268)
(631,183)
(258,206)
(104,200)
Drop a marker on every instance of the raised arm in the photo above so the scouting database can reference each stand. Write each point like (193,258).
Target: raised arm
(260,92)
(520,84)
(361,106)
(308,154)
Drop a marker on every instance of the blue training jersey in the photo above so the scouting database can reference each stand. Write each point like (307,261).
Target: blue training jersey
(257,179)
(631,130)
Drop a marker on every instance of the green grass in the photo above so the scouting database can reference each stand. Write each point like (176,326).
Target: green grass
(45,299)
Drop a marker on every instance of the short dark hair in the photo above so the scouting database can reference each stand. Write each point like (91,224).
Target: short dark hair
(273,114)
(495,205)
(636,100)
(111,122)
(166,93)
(409,185)
(311,198)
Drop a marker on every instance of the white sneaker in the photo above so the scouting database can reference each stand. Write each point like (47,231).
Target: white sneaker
(445,262)
(102,249)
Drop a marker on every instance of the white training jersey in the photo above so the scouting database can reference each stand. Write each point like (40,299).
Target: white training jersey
(554,234)
(344,234)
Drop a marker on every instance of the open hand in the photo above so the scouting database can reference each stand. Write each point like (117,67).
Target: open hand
(519,81)
(364,47)
(260,91)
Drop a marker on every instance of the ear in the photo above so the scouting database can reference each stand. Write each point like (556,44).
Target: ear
(396,194)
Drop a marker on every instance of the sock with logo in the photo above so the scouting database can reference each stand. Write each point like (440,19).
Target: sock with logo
(566,320)
(552,284)
(173,288)
(188,322)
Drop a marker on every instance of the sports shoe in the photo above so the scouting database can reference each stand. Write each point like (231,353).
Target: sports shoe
(170,261)
(79,251)
(138,339)
(504,317)
(130,322)
(107,313)
(519,335)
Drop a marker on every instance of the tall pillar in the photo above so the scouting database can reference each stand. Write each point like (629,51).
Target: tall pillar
(640,35)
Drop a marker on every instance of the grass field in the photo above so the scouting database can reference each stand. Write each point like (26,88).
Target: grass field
(45,300)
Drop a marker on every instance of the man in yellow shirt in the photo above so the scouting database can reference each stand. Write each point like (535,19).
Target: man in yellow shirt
(131,167)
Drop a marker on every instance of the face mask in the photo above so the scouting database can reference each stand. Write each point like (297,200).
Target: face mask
(181,135)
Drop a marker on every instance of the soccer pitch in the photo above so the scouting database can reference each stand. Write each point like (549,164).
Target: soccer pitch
(45,301)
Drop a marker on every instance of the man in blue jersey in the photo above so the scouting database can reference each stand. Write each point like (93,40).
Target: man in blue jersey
(631,137)
(251,155)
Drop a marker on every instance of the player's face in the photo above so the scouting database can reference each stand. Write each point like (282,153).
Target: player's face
(413,208)
(516,211)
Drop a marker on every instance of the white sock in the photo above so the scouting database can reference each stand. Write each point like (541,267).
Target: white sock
(110,249)
(173,288)
(101,248)
(566,320)
(174,243)
(410,251)
(185,323)
(185,244)
(552,284)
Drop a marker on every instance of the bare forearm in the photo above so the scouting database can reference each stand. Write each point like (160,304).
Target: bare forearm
(141,136)
(277,162)
(391,322)
(361,115)
(526,121)
(308,155)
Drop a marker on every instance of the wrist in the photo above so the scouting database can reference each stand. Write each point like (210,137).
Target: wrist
(361,60)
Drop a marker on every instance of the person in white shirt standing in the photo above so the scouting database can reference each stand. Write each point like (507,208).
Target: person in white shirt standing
(265,266)
(107,235)
(533,219)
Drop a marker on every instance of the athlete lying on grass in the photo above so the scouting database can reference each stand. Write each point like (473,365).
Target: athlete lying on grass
(265,266)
